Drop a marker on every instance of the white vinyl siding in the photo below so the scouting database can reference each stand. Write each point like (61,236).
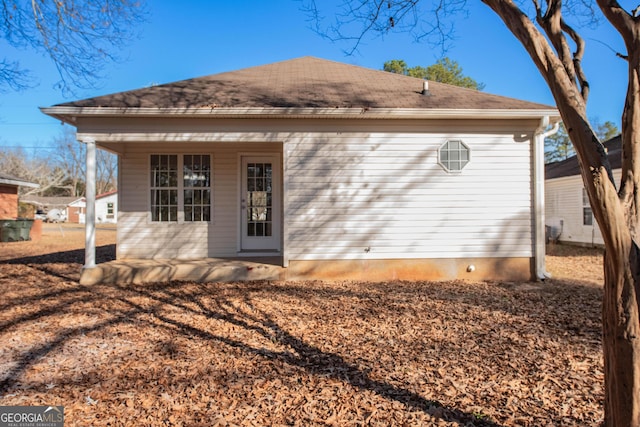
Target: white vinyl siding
(139,237)
(107,209)
(564,210)
(380,196)
(350,190)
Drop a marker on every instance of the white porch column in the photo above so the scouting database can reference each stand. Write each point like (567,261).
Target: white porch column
(90,222)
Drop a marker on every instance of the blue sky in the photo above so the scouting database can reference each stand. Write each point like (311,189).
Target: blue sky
(186,39)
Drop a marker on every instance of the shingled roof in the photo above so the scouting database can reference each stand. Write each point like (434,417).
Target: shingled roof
(306,82)
(7,179)
(570,166)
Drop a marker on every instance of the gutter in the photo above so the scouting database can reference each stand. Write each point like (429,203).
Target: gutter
(70,114)
(18,183)
(538,194)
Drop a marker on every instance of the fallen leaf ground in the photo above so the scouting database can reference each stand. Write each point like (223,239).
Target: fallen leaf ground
(298,354)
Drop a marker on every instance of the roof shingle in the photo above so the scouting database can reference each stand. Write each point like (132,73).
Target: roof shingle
(571,166)
(306,82)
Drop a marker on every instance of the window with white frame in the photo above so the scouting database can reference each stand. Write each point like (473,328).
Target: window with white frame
(181,197)
(197,187)
(587,213)
(453,155)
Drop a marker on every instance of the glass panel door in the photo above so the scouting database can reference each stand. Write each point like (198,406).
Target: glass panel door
(259,199)
(260,203)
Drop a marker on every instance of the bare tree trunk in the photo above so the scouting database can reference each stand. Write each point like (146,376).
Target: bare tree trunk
(620,340)
(620,312)
(616,212)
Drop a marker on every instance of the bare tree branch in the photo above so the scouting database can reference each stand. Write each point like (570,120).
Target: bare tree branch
(19,163)
(79,37)
(577,58)
(13,76)
(357,19)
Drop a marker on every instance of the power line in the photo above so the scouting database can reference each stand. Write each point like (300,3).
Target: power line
(28,124)
(40,147)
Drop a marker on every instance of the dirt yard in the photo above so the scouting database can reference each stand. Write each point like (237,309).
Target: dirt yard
(298,354)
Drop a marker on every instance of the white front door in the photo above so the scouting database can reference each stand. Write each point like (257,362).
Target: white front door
(260,203)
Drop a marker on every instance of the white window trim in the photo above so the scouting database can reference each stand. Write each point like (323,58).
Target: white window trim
(444,166)
(180,189)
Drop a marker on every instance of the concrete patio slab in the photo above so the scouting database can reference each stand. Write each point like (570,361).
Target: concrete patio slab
(136,271)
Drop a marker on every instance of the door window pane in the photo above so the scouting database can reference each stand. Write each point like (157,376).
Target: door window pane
(259,199)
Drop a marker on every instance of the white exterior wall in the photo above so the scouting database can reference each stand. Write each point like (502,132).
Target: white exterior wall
(351,190)
(563,210)
(102,215)
(139,237)
(384,196)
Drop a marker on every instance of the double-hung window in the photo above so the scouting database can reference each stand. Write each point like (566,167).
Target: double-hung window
(197,187)
(164,187)
(180,187)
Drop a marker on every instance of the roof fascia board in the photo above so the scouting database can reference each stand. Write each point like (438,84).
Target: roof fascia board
(18,183)
(70,114)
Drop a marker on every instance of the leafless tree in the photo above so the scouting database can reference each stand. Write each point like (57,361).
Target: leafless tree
(61,171)
(70,157)
(557,49)
(17,162)
(78,36)
(107,171)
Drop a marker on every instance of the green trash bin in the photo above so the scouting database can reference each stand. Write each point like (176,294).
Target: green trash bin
(9,230)
(25,228)
(15,230)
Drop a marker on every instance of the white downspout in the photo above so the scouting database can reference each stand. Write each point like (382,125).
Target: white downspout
(90,195)
(538,195)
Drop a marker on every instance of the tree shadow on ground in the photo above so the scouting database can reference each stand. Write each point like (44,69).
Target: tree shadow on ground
(299,353)
(238,306)
(104,253)
(68,263)
(162,297)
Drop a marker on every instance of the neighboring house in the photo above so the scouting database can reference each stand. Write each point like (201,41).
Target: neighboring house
(72,206)
(77,211)
(75,208)
(567,210)
(107,207)
(338,171)
(9,195)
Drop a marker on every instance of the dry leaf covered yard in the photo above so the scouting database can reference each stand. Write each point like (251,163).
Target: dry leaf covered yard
(264,353)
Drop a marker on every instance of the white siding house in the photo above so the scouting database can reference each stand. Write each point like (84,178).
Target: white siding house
(76,211)
(107,207)
(568,214)
(337,170)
